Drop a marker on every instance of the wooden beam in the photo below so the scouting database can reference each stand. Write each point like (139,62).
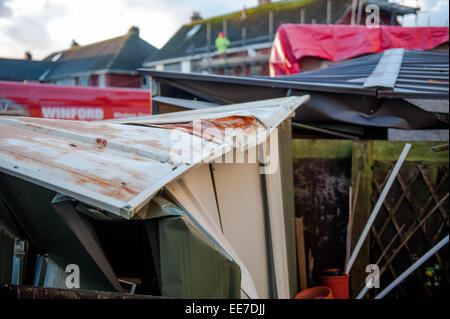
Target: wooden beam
(301,254)
(361,162)
(276,209)
(287,181)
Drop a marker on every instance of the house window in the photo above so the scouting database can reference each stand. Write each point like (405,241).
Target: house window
(67,81)
(256,69)
(145,82)
(186,66)
(154,87)
(176,67)
(83,80)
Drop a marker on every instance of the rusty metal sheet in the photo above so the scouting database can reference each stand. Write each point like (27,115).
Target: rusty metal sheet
(269,112)
(119,168)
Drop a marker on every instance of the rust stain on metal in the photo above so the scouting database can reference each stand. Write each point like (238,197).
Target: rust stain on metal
(101,142)
(108,188)
(114,160)
(107,132)
(210,127)
(153,143)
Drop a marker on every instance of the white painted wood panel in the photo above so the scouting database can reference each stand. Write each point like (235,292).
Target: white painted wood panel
(241,206)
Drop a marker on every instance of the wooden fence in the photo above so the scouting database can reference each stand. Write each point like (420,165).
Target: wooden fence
(323,172)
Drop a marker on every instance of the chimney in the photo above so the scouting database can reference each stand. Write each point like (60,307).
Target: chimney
(196,17)
(261,2)
(28,56)
(133,31)
(74,44)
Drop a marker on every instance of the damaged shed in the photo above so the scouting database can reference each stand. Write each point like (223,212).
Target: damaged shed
(113,199)
(358,101)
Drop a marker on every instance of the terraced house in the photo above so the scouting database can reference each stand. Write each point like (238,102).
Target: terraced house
(251,33)
(109,63)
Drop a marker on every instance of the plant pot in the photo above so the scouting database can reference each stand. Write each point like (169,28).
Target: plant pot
(338,284)
(316,293)
(331,272)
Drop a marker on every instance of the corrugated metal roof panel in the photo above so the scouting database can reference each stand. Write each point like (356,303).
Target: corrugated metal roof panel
(119,168)
(426,72)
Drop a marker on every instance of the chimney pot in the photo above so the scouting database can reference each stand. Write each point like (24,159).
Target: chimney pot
(133,31)
(28,56)
(196,16)
(261,2)
(74,44)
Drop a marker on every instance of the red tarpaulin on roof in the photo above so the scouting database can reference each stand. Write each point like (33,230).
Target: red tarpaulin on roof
(340,42)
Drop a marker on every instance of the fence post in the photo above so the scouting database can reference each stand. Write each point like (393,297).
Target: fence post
(361,162)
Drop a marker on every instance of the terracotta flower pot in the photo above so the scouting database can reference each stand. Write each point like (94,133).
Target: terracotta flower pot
(338,284)
(316,293)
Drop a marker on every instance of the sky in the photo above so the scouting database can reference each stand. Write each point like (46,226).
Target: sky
(46,26)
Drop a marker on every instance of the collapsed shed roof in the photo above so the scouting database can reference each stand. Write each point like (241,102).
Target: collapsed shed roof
(367,91)
(119,168)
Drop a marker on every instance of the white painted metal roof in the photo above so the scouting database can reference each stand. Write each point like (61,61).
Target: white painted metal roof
(116,167)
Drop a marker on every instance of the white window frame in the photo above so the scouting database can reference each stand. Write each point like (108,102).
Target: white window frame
(83,80)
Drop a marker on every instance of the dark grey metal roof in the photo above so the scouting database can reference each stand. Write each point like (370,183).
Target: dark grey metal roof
(256,24)
(421,74)
(191,39)
(22,70)
(279,82)
(125,53)
(351,93)
(393,7)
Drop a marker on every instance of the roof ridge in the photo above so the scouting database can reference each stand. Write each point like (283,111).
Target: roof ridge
(87,45)
(283,3)
(114,58)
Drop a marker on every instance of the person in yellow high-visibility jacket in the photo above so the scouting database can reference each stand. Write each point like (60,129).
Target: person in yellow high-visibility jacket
(222,43)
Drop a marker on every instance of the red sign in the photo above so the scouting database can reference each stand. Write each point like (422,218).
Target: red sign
(72,102)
